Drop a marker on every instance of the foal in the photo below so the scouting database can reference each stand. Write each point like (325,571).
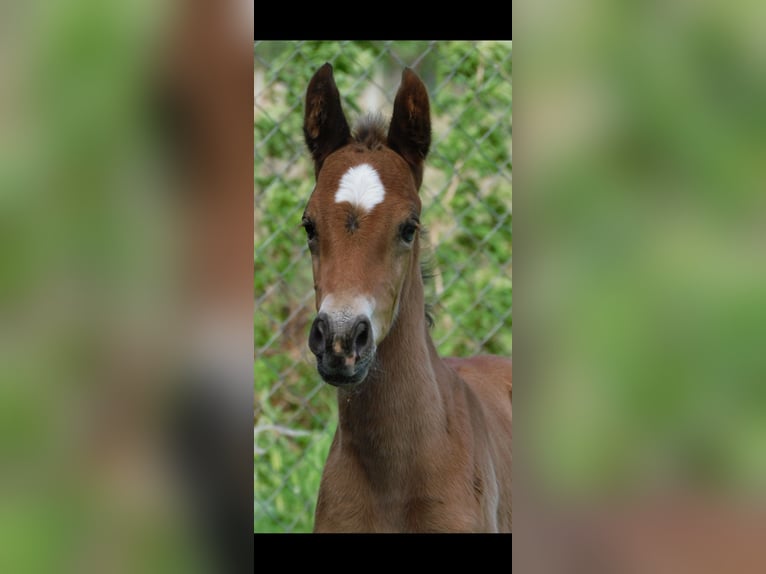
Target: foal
(423,443)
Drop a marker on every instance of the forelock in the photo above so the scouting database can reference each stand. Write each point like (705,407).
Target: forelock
(371,131)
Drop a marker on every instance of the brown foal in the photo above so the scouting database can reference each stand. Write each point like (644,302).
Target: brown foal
(423,443)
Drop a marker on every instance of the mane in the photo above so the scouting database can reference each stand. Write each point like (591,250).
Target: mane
(371,131)
(427,272)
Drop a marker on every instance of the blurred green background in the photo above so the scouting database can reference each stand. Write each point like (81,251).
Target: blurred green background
(640,364)
(467,196)
(97,313)
(646,276)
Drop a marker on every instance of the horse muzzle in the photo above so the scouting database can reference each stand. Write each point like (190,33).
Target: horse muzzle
(344,348)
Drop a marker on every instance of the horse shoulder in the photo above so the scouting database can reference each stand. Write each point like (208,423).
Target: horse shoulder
(489,376)
(491,380)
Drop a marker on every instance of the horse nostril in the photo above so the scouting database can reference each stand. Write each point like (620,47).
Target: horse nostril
(317,335)
(362,339)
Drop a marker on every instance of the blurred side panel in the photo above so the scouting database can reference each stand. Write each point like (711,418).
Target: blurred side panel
(125,285)
(640,400)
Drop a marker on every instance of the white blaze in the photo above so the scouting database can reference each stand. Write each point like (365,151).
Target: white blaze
(361,186)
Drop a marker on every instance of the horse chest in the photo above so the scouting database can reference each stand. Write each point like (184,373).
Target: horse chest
(350,501)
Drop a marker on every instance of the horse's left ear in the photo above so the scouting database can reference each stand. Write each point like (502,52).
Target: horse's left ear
(410,132)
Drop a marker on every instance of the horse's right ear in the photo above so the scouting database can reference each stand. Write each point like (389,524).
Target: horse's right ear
(324,124)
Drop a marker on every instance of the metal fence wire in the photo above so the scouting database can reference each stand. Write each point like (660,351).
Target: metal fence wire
(466,196)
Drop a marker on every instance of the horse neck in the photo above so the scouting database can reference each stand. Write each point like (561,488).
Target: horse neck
(400,408)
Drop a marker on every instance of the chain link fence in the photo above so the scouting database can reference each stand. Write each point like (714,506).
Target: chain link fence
(466,196)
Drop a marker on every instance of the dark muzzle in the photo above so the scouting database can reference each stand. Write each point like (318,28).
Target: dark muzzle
(343,350)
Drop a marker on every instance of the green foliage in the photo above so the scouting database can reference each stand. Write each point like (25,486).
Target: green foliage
(467,193)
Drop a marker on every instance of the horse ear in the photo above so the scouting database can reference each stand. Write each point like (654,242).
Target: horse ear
(410,131)
(324,124)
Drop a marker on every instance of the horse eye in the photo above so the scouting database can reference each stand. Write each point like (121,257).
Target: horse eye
(311,231)
(408,231)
